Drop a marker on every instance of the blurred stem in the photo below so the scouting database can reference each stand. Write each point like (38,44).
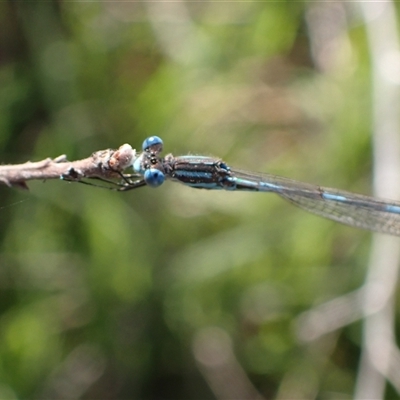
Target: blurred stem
(379,360)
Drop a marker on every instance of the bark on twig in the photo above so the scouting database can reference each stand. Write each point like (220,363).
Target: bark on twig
(103,164)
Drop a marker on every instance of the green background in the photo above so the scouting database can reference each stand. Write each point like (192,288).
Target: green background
(150,294)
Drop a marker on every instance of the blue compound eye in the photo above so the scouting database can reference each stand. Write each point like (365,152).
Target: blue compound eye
(153,177)
(154,142)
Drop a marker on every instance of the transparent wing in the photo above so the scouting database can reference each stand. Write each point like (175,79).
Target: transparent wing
(348,208)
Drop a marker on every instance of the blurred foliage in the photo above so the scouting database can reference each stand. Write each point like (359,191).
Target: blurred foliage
(112,296)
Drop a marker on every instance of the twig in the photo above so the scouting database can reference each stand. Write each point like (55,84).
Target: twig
(103,164)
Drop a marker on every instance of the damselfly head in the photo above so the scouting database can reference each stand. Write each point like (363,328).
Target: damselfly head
(148,163)
(154,177)
(153,145)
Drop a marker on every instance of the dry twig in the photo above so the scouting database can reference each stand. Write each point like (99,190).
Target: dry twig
(104,164)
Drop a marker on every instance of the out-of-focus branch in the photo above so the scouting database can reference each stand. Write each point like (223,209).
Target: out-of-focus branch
(380,359)
(212,349)
(380,354)
(104,164)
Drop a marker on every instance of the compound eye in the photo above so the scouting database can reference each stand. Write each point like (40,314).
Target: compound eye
(152,143)
(153,177)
